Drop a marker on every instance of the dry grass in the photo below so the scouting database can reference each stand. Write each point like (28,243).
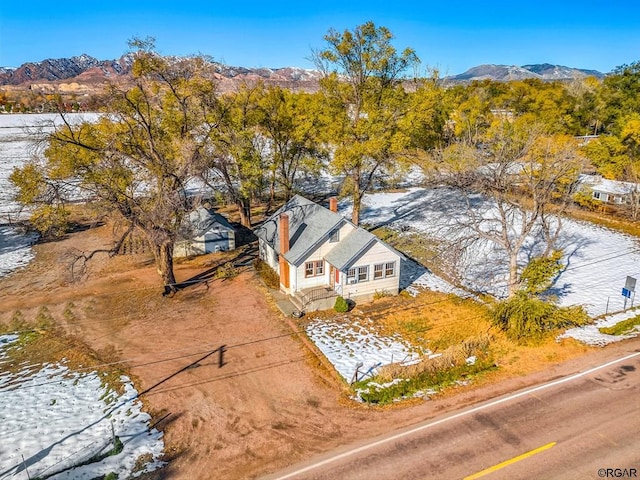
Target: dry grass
(431,320)
(446,324)
(455,355)
(605,219)
(417,246)
(43,340)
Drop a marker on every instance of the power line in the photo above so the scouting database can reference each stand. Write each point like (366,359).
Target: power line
(186,355)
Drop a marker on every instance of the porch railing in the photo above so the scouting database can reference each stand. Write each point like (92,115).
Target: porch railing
(317,294)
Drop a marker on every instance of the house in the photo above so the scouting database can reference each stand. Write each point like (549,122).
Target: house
(205,232)
(608,191)
(585,139)
(319,255)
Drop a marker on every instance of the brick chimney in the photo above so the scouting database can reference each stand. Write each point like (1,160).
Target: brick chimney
(333,204)
(284,248)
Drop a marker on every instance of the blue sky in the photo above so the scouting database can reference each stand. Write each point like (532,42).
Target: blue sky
(451,35)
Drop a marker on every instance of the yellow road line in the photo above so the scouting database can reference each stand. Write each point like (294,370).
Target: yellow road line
(489,470)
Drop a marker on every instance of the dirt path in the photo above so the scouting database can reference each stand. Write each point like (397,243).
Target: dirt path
(271,404)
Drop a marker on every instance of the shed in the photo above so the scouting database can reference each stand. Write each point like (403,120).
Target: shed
(205,232)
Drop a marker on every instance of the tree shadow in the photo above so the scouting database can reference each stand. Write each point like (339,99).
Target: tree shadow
(410,271)
(244,258)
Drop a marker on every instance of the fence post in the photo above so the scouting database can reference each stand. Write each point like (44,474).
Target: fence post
(25,467)
(359,365)
(221,355)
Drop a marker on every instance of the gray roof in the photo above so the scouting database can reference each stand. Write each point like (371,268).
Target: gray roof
(309,225)
(614,187)
(203,220)
(343,255)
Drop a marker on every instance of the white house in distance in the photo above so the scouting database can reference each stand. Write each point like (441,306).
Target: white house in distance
(319,255)
(206,231)
(609,191)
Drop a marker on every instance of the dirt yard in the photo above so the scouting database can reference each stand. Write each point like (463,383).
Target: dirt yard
(273,402)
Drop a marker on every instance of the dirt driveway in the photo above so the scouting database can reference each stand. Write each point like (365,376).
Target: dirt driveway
(271,404)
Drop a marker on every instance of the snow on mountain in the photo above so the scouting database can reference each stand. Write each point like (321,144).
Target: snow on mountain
(544,71)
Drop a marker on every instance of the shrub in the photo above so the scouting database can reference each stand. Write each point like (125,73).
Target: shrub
(523,317)
(341,305)
(381,294)
(622,328)
(538,275)
(268,275)
(226,271)
(584,198)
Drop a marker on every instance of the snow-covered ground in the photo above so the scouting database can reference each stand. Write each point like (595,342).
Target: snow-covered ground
(597,259)
(357,345)
(591,335)
(19,135)
(52,418)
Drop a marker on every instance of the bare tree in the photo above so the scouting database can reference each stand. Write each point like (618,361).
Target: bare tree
(515,186)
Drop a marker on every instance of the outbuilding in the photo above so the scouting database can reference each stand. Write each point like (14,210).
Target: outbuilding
(205,232)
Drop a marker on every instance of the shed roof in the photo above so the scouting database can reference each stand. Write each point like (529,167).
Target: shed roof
(202,220)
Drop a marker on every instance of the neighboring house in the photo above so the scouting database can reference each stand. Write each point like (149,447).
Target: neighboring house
(319,255)
(585,139)
(608,191)
(205,232)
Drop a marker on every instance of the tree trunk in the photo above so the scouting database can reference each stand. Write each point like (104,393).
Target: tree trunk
(163,253)
(244,208)
(357,200)
(514,283)
(272,192)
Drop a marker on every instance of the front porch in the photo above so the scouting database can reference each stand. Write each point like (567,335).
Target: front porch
(315,298)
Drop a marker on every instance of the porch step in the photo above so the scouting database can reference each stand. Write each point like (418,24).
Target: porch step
(297,302)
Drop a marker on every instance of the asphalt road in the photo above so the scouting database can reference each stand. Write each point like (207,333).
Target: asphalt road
(584,426)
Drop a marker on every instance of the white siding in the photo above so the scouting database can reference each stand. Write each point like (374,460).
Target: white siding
(316,281)
(319,254)
(376,254)
(268,255)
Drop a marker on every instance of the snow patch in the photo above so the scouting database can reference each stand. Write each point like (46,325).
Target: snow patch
(53,418)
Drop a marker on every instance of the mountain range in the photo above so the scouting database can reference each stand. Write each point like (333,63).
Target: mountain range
(82,72)
(543,71)
(85,72)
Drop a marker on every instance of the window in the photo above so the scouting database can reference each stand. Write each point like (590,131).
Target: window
(314,269)
(358,274)
(389,269)
(378,271)
(363,274)
(596,195)
(335,236)
(383,270)
(351,275)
